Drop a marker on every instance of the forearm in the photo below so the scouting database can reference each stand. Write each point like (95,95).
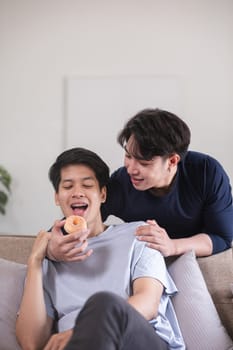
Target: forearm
(147,310)
(200,243)
(146,296)
(32,328)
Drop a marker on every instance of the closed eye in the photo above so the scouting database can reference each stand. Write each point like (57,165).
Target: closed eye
(67,187)
(87,186)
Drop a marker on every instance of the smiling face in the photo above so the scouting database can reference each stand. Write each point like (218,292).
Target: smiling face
(79,194)
(156,173)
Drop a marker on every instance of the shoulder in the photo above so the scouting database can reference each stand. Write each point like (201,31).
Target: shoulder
(126,227)
(120,172)
(118,181)
(118,189)
(141,251)
(196,164)
(119,176)
(193,157)
(202,172)
(146,252)
(200,159)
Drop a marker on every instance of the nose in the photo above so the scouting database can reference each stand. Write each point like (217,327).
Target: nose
(79,195)
(77,192)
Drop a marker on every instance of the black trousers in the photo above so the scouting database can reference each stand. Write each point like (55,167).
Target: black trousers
(108,322)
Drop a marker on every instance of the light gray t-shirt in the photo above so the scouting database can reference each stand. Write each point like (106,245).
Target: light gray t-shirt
(118,259)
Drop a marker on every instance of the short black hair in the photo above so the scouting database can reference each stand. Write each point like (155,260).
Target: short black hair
(156,133)
(83,156)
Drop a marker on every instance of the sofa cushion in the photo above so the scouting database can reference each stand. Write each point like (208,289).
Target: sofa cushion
(11,288)
(199,321)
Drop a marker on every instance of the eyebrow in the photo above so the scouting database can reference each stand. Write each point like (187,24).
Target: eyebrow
(139,158)
(134,155)
(83,179)
(88,178)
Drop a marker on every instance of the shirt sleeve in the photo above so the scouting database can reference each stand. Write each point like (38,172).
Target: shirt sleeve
(218,209)
(148,262)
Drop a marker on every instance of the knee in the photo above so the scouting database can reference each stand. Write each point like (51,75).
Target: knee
(105,299)
(109,308)
(106,302)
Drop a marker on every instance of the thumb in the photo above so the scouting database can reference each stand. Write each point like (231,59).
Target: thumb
(57,228)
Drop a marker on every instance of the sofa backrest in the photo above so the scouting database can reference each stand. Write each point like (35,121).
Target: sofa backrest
(15,247)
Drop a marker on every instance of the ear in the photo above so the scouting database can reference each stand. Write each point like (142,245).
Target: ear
(103,194)
(56,199)
(174,160)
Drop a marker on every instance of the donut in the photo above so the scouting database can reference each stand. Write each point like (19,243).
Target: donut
(75,223)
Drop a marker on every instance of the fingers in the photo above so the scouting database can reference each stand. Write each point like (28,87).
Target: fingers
(80,258)
(39,248)
(42,239)
(151,234)
(156,237)
(76,254)
(76,237)
(58,224)
(152,222)
(58,341)
(57,230)
(74,251)
(67,244)
(73,248)
(150,230)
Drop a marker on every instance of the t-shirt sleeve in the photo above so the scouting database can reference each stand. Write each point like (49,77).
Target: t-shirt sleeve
(148,262)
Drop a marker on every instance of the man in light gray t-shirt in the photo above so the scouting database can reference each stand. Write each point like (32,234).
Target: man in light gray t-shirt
(117,261)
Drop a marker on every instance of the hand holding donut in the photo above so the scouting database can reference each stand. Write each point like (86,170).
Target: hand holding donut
(73,245)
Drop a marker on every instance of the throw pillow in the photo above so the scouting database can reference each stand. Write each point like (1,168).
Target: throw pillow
(198,318)
(11,288)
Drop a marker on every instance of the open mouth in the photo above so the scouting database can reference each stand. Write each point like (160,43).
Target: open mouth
(136,181)
(79,209)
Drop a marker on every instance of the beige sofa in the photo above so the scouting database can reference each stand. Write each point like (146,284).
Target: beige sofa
(194,311)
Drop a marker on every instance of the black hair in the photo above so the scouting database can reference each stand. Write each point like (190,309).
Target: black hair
(83,156)
(156,132)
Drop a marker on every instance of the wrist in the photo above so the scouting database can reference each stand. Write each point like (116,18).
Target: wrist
(176,247)
(34,262)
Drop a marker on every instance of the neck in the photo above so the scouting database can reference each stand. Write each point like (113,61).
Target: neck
(162,191)
(97,230)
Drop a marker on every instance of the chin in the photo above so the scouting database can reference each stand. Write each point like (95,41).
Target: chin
(141,187)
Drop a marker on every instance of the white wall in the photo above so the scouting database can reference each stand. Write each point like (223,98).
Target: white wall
(43,42)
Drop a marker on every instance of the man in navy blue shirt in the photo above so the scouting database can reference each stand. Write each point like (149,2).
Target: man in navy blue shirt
(184,196)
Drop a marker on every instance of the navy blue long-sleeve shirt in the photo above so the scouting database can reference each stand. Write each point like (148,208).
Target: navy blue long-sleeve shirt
(200,201)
